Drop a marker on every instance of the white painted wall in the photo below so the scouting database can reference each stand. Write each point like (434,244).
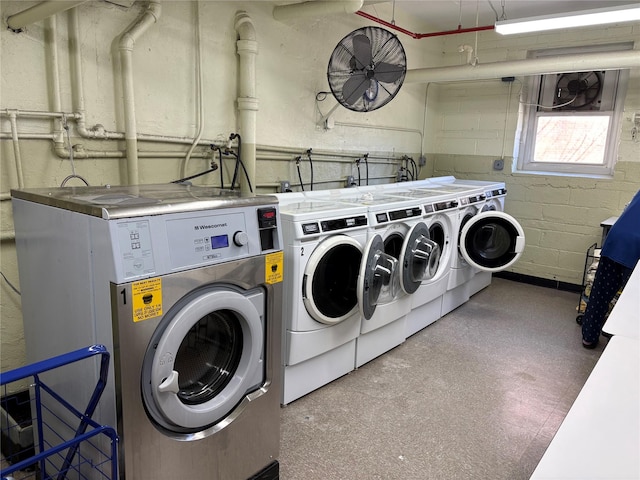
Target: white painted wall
(461,130)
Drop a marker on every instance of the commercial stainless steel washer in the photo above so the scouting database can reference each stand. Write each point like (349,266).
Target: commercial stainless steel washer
(183,285)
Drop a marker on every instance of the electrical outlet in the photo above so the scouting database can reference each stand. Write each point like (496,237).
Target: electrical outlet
(498,164)
(285,186)
(422,161)
(351,181)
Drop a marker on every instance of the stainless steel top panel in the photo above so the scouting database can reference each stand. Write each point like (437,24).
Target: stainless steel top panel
(112,202)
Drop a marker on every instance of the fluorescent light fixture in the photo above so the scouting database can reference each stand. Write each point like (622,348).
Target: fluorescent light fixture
(597,16)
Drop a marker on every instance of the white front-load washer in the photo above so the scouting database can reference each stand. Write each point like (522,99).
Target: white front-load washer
(399,222)
(335,274)
(489,240)
(183,285)
(441,217)
(495,194)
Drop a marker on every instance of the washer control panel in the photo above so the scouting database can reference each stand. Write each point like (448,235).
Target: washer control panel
(160,244)
(203,239)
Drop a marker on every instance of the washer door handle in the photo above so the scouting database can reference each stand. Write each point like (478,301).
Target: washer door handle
(170,384)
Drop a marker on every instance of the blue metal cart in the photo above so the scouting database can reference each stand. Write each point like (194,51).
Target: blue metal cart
(67,443)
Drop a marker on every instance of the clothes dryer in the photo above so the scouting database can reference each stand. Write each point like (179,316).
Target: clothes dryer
(183,285)
(398,220)
(335,275)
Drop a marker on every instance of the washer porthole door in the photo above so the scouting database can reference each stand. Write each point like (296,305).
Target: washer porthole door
(378,278)
(206,359)
(330,279)
(420,258)
(492,241)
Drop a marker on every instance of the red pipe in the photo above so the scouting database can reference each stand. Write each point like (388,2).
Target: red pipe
(422,35)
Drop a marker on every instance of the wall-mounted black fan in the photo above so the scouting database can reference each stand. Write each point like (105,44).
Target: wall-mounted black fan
(366,69)
(578,91)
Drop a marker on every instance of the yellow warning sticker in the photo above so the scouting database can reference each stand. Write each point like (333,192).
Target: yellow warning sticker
(147,299)
(274,268)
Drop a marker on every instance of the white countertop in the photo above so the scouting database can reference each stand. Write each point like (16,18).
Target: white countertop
(600,436)
(624,320)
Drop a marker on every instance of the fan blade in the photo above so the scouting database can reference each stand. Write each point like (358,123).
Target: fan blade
(354,88)
(362,51)
(387,73)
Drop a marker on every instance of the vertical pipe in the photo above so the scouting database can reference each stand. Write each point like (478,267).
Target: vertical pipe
(16,147)
(247,102)
(76,69)
(127,42)
(51,40)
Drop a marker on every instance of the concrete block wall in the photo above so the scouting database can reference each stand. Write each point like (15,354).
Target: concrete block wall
(476,123)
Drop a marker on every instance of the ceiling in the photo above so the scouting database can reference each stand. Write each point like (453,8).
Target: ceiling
(446,14)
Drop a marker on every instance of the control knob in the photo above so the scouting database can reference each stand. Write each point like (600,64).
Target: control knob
(240,238)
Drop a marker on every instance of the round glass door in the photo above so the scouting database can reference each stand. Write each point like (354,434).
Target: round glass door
(330,279)
(492,241)
(203,358)
(419,259)
(377,278)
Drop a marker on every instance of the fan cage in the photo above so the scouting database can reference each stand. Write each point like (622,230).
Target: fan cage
(385,47)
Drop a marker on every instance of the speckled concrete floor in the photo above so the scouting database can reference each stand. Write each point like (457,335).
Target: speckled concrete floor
(477,395)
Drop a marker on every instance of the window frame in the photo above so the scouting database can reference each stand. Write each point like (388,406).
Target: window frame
(529,115)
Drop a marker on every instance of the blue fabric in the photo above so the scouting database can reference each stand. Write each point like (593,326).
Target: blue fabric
(622,244)
(610,278)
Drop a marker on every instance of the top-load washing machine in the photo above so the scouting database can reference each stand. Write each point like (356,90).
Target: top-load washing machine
(183,285)
(336,273)
(399,221)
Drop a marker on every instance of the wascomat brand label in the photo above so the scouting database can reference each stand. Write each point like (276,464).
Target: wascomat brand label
(147,299)
(274,267)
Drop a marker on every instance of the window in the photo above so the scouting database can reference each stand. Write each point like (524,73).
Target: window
(571,121)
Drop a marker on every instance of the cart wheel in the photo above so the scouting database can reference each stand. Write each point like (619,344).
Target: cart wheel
(579,319)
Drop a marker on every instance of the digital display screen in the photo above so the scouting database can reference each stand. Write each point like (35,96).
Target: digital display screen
(220,241)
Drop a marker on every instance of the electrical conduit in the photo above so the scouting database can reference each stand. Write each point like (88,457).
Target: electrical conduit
(247,47)
(418,36)
(125,46)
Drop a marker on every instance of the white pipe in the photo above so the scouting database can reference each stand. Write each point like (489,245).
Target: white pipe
(38,114)
(125,46)
(16,148)
(316,8)
(62,151)
(39,12)
(51,38)
(7,236)
(200,90)
(534,66)
(98,130)
(247,47)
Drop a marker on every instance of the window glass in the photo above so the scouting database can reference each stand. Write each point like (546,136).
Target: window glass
(571,139)
(571,121)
